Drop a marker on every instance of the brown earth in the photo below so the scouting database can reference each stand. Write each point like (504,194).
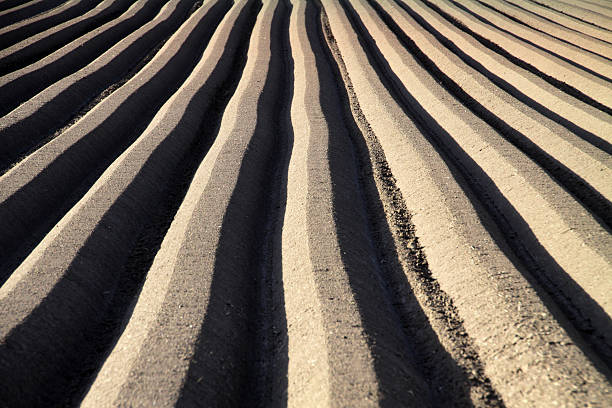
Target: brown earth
(306,203)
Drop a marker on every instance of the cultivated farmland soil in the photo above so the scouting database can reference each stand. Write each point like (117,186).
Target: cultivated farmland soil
(306,203)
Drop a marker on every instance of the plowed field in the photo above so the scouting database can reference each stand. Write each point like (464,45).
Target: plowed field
(306,203)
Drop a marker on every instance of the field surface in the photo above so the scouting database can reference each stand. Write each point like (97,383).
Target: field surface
(301,203)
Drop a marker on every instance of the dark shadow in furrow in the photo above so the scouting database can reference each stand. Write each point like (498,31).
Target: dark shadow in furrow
(598,5)
(80,165)
(269,382)
(27,30)
(58,39)
(524,40)
(573,308)
(392,353)
(505,86)
(53,131)
(8,4)
(57,115)
(568,89)
(239,363)
(152,236)
(518,21)
(452,382)
(27,12)
(54,355)
(592,199)
(398,378)
(24,86)
(570,16)
(558,23)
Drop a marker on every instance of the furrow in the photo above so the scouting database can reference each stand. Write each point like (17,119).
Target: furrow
(581,169)
(56,300)
(27,10)
(563,34)
(308,370)
(269,379)
(23,84)
(45,115)
(548,26)
(55,176)
(40,45)
(197,311)
(346,346)
(517,192)
(563,20)
(232,40)
(21,30)
(578,13)
(597,7)
(467,254)
(290,203)
(577,83)
(7,4)
(444,353)
(581,119)
(604,6)
(584,61)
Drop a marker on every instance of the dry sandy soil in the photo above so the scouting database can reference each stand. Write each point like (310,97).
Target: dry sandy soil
(306,203)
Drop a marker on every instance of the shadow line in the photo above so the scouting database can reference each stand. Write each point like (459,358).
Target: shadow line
(557,23)
(28,215)
(593,200)
(533,44)
(448,379)
(569,15)
(562,86)
(55,353)
(46,46)
(523,23)
(582,317)
(242,346)
(505,86)
(26,86)
(74,101)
